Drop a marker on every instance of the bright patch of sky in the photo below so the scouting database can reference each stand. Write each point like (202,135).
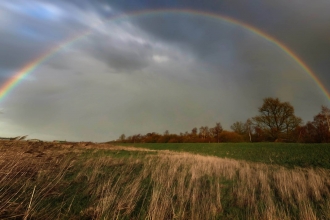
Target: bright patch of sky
(160,58)
(35,9)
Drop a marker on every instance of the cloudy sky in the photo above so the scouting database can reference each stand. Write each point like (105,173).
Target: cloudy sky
(155,71)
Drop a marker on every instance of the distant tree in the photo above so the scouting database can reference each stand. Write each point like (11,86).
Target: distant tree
(217,129)
(258,134)
(212,133)
(319,129)
(151,137)
(277,119)
(238,127)
(122,138)
(194,132)
(300,135)
(202,132)
(136,138)
(164,138)
(248,126)
(326,112)
(229,136)
(166,133)
(244,129)
(207,132)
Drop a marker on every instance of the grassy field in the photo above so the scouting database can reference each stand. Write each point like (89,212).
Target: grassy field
(102,181)
(284,154)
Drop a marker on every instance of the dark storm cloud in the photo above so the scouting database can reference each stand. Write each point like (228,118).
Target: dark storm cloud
(29,31)
(121,55)
(16,52)
(206,39)
(303,26)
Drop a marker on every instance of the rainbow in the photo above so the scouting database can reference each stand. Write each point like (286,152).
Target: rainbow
(10,84)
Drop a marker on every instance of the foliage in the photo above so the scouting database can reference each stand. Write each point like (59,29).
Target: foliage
(239,127)
(231,137)
(317,131)
(205,135)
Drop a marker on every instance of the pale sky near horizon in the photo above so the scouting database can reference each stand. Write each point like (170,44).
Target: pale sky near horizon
(157,71)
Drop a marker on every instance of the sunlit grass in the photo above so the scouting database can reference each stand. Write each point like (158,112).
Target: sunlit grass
(284,154)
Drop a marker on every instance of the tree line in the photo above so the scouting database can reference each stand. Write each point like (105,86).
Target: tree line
(275,122)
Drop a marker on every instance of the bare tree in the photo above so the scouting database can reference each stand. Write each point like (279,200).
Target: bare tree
(248,126)
(277,118)
(202,132)
(194,132)
(238,127)
(319,129)
(122,137)
(217,131)
(326,112)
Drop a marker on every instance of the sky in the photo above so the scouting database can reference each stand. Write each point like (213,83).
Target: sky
(149,66)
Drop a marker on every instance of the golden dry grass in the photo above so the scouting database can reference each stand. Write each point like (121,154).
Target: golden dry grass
(165,185)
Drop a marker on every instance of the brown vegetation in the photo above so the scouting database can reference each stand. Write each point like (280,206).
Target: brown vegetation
(229,136)
(95,185)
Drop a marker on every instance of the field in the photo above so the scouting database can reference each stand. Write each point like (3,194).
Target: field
(104,181)
(285,154)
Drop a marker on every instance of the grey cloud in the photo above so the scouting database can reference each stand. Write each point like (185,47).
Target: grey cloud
(301,25)
(181,72)
(26,35)
(121,56)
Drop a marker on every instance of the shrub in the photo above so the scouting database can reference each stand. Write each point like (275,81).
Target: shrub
(229,136)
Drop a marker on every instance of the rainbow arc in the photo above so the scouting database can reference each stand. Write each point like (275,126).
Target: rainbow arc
(10,84)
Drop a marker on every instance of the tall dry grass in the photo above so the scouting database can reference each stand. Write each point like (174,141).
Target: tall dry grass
(185,186)
(160,186)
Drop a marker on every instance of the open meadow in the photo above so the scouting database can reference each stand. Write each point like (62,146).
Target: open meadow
(44,180)
(285,154)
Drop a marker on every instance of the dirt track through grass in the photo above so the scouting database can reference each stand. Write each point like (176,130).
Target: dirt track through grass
(81,182)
